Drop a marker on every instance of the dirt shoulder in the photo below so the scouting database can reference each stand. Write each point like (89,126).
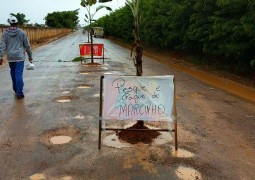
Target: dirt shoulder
(232,83)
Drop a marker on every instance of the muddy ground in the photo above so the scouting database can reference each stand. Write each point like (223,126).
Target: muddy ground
(215,128)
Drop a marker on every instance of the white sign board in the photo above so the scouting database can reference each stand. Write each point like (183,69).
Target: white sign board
(147,98)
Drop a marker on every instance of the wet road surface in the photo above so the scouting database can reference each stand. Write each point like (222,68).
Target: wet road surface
(215,129)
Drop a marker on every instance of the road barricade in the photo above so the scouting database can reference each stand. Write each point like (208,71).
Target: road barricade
(85,51)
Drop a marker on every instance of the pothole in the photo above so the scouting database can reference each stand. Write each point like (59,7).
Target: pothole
(113,141)
(60,136)
(66,92)
(187,173)
(181,153)
(84,86)
(37,177)
(163,138)
(63,99)
(60,139)
(127,138)
(79,116)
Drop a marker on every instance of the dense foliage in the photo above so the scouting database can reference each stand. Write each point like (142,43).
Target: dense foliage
(223,31)
(64,19)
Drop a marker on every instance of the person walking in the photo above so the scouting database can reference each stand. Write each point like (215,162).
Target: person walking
(15,43)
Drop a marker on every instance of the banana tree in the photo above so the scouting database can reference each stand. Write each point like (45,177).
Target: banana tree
(134,6)
(87,4)
(86,19)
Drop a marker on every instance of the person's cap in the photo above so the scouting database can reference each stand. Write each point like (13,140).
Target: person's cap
(12,20)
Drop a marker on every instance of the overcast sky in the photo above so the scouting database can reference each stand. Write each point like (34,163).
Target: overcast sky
(37,10)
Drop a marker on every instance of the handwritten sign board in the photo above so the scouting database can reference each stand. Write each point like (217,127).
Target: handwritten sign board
(147,98)
(85,50)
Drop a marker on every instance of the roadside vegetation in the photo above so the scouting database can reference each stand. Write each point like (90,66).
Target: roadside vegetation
(215,33)
(63,19)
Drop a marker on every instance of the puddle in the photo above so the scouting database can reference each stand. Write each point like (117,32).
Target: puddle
(84,86)
(66,92)
(163,138)
(113,141)
(64,99)
(60,136)
(181,153)
(96,95)
(79,117)
(37,177)
(60,139)
(187,173)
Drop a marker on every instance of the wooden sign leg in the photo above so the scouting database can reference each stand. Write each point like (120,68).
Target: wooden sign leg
(100,133)
(175,135)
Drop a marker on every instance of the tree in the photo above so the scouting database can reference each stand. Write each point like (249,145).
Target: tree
(21,18)
(89,17)
(64,19)
(135,8)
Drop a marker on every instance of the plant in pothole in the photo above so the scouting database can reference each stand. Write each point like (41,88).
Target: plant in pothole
(89,17)
(135,8)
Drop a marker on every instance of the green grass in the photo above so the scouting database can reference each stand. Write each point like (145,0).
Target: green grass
(77,59)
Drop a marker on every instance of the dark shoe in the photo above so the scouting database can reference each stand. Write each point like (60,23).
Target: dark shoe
(20,96)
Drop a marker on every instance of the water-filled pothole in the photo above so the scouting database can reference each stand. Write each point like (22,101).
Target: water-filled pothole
(113,141)
(37,177)
(187,173)
(181,153)
(63,99)
(79,116)
(60,136)
(66,92)
(60,139)
(84,86)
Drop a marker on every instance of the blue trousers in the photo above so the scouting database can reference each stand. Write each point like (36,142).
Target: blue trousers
(17,76)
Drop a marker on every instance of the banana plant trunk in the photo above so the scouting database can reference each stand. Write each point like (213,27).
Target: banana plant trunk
(91,43)
(138,62)
(88,35)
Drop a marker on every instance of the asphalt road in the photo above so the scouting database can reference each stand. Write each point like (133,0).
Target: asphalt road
(215,129)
